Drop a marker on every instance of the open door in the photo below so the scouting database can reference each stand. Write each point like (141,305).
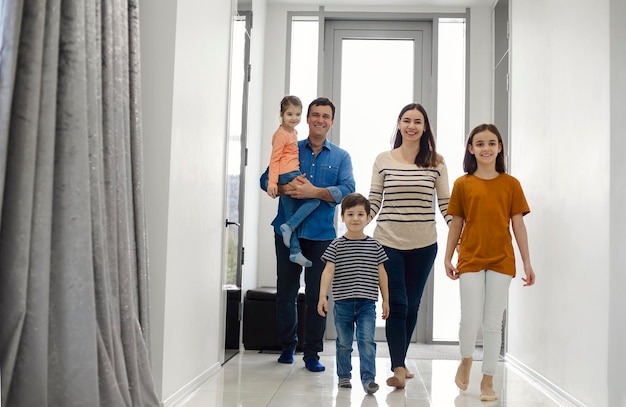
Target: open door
(240,57)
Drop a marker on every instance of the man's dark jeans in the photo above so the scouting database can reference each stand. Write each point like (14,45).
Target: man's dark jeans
(287,286)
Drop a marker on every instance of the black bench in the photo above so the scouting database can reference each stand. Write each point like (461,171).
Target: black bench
(259,319)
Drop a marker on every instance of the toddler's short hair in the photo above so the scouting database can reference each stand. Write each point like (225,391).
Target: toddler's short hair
(355,199)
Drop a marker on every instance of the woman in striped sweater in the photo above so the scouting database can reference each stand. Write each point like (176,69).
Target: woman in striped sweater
(405,182)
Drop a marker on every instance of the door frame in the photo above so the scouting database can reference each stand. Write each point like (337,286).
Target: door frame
(233,301)
(501,100)
(247,15)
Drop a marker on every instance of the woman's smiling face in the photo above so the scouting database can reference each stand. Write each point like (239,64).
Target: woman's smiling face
(411,125)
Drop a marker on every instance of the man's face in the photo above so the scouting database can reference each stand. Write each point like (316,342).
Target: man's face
(320,121)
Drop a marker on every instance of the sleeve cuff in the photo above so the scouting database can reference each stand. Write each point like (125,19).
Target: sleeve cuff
(335,193)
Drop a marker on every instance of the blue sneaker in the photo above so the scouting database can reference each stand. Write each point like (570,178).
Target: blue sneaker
(314,365)
(286,356)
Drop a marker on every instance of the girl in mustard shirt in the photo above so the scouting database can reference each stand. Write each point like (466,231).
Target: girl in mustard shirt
(483,204)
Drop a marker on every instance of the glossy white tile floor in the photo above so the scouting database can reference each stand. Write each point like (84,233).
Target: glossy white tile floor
(252,379)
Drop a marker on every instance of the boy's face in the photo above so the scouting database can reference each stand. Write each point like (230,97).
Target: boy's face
(355,218)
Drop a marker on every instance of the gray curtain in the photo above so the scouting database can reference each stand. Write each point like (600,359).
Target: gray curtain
(73,270)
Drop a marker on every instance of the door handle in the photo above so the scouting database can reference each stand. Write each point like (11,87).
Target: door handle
(228,223)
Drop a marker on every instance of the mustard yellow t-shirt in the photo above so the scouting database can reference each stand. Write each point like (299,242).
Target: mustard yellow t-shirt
(487,207)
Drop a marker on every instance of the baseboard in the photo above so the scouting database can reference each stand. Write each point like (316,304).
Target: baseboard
(546,386)
(190,389)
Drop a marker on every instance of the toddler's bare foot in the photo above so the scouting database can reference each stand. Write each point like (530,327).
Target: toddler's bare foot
(463,373)
(409,374)
(486,389)
(398,378)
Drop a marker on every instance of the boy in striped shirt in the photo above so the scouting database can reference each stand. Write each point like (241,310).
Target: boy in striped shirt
(354,266)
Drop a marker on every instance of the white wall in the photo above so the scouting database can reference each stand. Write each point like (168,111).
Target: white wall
(275,44)
(561,138)
(157,30)
(274,49)
(185,68)
(617,215)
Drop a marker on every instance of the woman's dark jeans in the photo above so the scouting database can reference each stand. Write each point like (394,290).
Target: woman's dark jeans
(408,272)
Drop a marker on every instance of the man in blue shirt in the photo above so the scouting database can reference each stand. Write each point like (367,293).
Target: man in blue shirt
(326,175)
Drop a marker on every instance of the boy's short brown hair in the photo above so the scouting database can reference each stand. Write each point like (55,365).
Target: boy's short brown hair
(355,199)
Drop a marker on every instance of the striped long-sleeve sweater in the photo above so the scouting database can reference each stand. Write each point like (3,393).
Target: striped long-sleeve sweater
(403,197)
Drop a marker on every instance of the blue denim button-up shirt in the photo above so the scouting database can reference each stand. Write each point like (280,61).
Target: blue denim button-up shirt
(331,169)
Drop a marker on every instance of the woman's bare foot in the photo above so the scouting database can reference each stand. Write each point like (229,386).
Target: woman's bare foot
(486,389)
(398,379)
(463,373)
(408,374)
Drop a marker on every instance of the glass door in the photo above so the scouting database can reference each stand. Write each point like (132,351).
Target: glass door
(372,70)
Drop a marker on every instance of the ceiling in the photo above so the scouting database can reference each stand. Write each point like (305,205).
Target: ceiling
(387,3)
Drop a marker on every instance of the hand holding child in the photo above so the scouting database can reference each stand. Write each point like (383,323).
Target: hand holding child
(272,191)
(301,188)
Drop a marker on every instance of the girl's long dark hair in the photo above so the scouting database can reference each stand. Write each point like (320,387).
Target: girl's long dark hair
(427,156)
(469,161)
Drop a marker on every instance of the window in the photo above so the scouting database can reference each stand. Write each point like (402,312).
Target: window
(451,144)
(303,64)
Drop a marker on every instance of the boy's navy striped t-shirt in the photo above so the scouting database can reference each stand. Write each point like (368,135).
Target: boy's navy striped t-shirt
(356,267)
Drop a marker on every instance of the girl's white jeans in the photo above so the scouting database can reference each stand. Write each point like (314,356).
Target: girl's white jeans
(484,296)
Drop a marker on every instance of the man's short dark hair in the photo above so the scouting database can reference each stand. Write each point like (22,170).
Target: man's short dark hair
(321,102)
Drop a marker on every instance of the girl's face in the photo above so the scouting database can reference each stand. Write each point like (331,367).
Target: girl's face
(485,147)
(291,117)
(411,125)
